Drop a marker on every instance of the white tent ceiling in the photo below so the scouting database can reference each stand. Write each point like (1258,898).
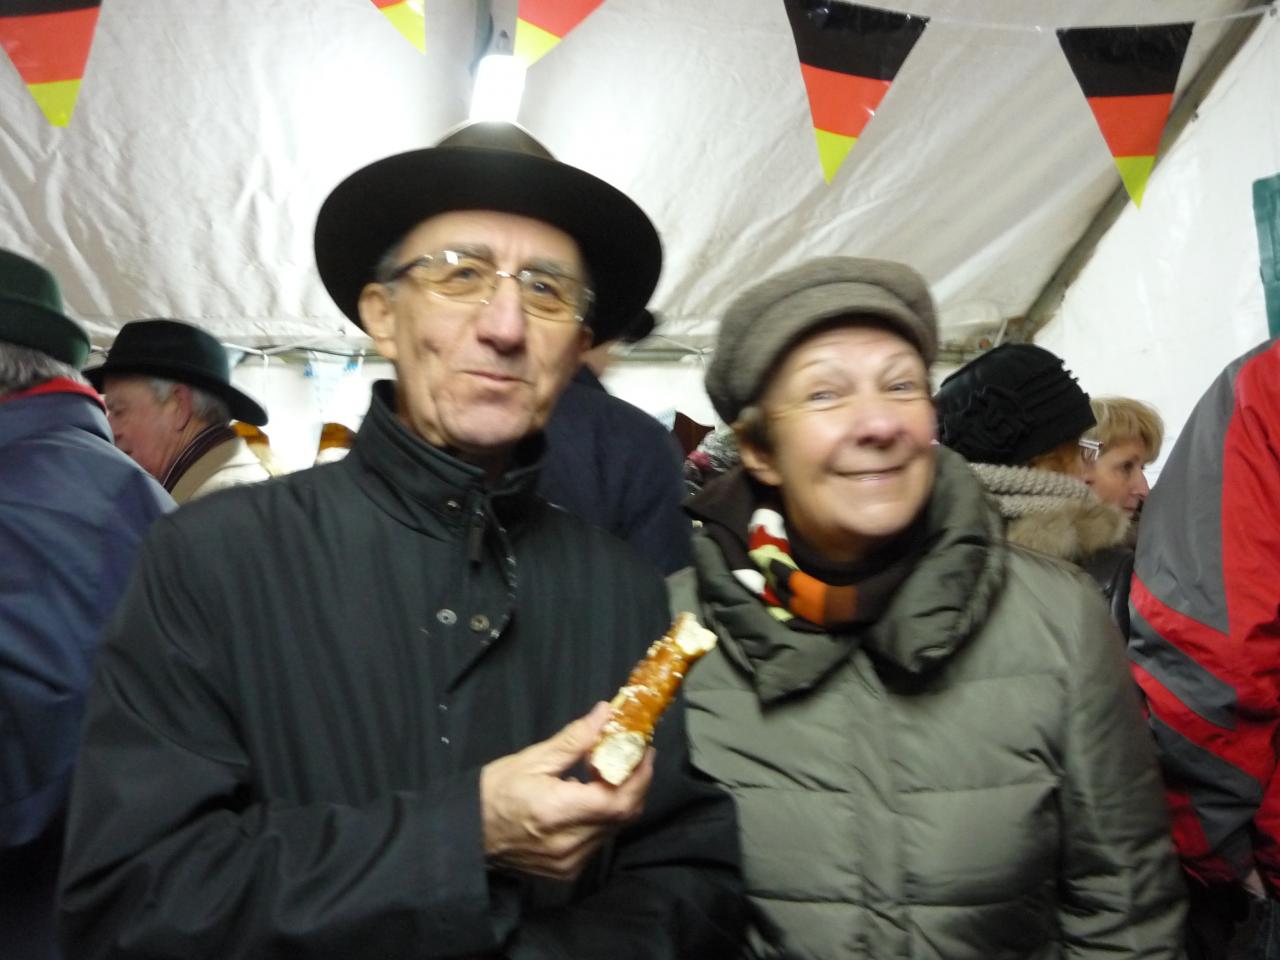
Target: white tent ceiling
(206,136)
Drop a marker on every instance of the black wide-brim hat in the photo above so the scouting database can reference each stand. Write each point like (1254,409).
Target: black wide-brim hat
(180,352)
(489,166)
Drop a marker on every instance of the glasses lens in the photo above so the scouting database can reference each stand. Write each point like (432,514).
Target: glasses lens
(549,295)
(458,276)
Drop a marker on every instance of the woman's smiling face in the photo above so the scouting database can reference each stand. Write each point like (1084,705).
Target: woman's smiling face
(851,428)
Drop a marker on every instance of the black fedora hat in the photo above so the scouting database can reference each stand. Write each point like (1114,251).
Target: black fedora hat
(31,312)
(181,352)
(640,327)
(489,166)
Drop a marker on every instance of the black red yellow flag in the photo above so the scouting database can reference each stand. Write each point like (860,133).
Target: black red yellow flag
(849,56)
(1128,75)
(48,42)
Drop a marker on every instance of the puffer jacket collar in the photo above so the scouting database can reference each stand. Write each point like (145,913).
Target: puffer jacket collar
(939,606)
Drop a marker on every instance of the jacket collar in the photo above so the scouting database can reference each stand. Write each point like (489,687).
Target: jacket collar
(1053,513)
(24,416)
(934,612)
(426,488)
(586,378)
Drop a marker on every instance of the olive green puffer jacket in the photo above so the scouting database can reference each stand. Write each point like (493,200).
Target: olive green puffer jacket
(971,778)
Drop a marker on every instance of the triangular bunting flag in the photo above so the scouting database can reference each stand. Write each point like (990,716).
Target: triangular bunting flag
(541,24)
(48,42)
(406,16)
(849,55)
(1128,75)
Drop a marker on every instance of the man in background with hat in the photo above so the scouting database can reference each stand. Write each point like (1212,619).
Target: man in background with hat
(73,510)
(345,714)
(170,401)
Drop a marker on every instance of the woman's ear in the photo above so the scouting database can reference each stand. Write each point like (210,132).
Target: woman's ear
(378,317)
(758,462)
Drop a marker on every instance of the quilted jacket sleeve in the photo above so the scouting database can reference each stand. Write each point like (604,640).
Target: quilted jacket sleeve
(1122,894)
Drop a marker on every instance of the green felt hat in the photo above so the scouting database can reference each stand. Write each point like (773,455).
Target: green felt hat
(31,312)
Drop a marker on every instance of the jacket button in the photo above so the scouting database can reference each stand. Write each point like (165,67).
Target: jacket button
(453,506)
(446,616)
(479,623)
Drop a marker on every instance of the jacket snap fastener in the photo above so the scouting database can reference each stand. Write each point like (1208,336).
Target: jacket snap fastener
(446,616)
(479,623)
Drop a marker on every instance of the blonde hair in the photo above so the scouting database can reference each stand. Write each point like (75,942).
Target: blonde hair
(1121,419)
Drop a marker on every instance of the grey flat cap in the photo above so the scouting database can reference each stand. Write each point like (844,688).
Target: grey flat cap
(767,319)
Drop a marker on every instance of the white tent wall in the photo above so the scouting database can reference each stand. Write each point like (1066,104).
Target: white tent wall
(301,396)
(664,388)
(206,136)
(1173,293)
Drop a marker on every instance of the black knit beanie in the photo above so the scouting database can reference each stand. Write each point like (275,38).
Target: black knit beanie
(1010,405)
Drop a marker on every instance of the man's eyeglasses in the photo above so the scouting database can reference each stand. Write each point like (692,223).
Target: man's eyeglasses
(1090,450)
(469,278)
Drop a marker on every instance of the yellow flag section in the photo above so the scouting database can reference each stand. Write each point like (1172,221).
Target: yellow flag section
(541,24)
(841,105)
(407,17)
(48,42)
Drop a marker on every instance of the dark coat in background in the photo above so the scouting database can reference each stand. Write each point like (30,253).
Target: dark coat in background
(615,466)
(284,744)
(73,510)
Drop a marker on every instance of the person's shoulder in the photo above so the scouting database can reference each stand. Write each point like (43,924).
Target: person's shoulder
(1040,589)
(587,544)
(1032,568)
(624,411)
(583,401)
(258,508)
(71,464)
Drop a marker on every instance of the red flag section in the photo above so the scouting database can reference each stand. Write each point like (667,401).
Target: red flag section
(407,17)
(849,55)
(48,43)
(1128,75)
(541,24)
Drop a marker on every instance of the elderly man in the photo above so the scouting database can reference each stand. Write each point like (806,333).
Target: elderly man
(340,715)
(171,402)
(72,512)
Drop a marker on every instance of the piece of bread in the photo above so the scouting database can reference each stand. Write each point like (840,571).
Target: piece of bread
(647,693)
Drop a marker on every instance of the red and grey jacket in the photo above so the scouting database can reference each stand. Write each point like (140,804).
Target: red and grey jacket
(1205,635)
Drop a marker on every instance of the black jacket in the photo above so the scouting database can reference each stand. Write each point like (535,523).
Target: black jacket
(615,466)
(283,748)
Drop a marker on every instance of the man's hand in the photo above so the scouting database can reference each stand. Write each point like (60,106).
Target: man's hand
(536,821)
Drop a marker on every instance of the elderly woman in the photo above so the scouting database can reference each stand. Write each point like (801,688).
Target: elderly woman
(1019,417)
(931,735)
(1129,434)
